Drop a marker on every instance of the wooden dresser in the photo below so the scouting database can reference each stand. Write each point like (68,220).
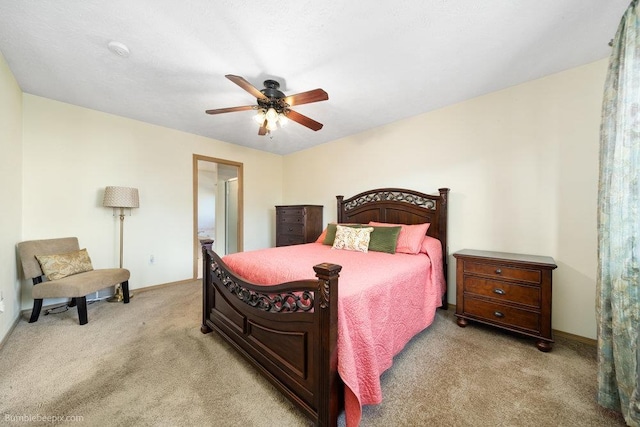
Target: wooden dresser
(297,224)
(509,291)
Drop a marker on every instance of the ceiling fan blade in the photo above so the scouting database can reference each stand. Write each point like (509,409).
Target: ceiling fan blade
(263,129)
(230,109)
(307,97)
(304,120)
(240,81)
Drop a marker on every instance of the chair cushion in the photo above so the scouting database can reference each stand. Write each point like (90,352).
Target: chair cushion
(80,284)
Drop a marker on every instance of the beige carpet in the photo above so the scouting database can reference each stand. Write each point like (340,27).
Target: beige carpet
(146,363)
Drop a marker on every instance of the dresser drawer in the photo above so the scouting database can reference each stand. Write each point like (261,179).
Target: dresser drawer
(502,272)
(291,211)
(502,314)
(288,240)
(290,219)
(290,228)
(503,291)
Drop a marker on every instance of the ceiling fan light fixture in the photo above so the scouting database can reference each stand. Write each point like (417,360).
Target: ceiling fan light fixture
(272,115)
(272,125)
(272,107)
(259,117)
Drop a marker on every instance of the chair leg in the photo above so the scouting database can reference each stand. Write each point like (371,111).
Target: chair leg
(35,313)
(125,291)
(82,310)
(72,303)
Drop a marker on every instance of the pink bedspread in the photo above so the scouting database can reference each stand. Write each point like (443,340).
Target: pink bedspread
(383,301)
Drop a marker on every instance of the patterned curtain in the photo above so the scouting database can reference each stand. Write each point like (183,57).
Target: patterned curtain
(618,293)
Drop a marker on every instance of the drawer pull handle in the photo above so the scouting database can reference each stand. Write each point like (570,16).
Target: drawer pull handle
(498,314)
(498,271)
(499,291)
(290,229)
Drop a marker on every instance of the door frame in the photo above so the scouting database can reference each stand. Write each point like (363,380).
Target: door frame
(196,242)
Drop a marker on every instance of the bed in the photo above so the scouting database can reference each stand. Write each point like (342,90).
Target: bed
(290,329)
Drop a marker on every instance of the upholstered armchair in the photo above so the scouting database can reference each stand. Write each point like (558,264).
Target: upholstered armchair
(69,274)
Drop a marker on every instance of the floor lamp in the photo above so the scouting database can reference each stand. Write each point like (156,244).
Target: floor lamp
(120,197)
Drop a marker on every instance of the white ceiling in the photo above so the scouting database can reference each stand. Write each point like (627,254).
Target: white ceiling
(380,61)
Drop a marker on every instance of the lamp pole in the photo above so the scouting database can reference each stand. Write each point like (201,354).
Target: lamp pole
(120,198)
(121,233)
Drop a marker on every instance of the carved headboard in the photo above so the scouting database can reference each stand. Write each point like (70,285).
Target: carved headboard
(399,206)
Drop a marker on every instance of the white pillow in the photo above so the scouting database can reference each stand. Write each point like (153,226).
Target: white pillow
(352,239)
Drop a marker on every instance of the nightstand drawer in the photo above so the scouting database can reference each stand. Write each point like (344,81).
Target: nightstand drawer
(503,291)
(502,314)
(290,228)
(502,272)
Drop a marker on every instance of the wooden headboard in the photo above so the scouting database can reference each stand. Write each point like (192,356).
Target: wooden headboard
(399,206)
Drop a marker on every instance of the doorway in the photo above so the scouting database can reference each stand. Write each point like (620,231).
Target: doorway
(217,207)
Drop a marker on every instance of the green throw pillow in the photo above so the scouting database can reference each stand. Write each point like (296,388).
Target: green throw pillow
(384,239)
(331,232)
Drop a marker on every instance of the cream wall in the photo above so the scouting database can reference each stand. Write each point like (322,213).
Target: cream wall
(522,165)
(10,194)
(71,153)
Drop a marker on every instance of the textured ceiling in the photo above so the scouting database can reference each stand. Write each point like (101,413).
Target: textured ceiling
(379,61)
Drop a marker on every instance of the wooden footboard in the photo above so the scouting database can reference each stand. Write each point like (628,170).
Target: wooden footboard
(287,331)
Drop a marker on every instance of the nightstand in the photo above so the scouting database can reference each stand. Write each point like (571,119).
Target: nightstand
(509,291)
(298,224)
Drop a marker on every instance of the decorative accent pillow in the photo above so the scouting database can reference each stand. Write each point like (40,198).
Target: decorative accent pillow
(62,265)
(410,238)
(384,239)
(330,235)
(352,239)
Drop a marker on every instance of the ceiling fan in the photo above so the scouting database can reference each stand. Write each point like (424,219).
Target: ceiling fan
(273,106)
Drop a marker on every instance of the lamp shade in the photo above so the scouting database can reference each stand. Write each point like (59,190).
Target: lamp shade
(121,197)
